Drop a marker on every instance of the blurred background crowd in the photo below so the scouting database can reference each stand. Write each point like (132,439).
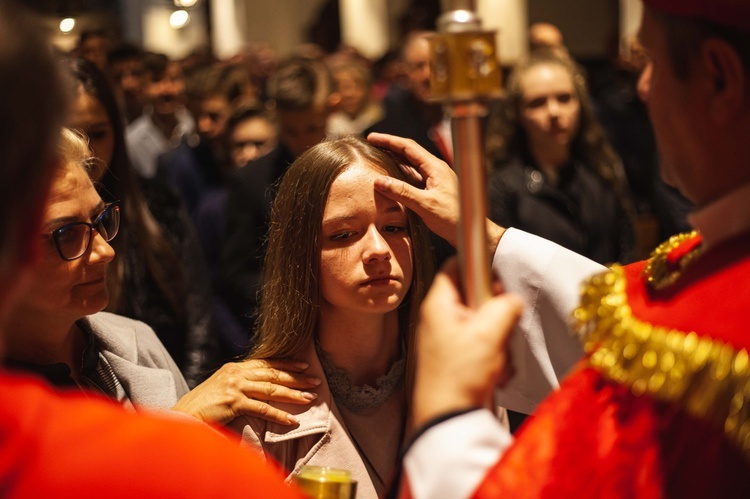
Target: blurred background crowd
(194,118)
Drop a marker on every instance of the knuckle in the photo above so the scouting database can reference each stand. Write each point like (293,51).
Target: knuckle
(264,409)
(270,389)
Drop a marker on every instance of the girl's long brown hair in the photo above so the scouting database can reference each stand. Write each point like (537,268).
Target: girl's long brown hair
(290,291)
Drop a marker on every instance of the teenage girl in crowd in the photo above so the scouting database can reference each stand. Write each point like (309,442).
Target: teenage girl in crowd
(554,173)
(345,272)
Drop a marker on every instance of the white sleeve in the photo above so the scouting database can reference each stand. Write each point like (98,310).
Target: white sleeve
(548,278)
(451,458)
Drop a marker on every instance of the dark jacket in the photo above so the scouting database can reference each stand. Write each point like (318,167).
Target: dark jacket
(581,213)
(404,116)
(187,335)
(251,194)
(192,171)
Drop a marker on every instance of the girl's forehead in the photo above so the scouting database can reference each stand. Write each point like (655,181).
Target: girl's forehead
(355,186)
(360,171)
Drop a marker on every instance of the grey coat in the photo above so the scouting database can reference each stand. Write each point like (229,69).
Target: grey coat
(139,360)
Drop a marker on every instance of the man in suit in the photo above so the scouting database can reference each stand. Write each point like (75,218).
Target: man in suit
(408,111)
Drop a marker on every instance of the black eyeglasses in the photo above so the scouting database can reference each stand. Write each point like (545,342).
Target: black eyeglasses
(74,239)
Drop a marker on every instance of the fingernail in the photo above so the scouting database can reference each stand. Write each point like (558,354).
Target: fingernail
(302,365)
(382,182)
(313,380)
(309,396)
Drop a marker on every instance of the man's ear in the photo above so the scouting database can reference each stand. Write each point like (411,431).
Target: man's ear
(334,99)
(727,79)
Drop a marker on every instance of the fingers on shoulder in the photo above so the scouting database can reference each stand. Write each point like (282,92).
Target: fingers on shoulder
(264,410)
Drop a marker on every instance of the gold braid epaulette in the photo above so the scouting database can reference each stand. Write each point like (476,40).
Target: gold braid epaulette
(707,378)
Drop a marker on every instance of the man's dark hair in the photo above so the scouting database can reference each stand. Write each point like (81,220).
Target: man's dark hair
(155,65)
(243,113)
(92,33)
(124,52)
(299,84)
(685,36)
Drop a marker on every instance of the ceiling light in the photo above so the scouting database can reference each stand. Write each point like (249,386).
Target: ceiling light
(179,19)
(67,25)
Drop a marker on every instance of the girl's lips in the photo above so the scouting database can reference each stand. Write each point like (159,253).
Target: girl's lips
(379,281)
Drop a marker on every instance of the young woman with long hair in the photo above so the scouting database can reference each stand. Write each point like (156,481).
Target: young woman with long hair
(345,272)
(553,172)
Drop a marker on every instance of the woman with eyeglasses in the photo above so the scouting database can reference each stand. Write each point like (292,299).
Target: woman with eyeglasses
(60,333)
(158,275)
(58,330)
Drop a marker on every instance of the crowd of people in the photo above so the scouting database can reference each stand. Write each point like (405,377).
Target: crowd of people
(251,245)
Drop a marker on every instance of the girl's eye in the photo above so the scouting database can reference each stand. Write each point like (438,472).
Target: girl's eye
(394,228)
(342,236)
(535,103)
(97,135)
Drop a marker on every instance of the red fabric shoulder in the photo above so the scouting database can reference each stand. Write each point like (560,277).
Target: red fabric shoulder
(66,445)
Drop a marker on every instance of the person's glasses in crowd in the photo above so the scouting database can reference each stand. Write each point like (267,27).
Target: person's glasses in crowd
(74,239)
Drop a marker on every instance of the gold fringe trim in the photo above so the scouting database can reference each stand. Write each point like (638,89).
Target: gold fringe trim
(706,377)
(657,272)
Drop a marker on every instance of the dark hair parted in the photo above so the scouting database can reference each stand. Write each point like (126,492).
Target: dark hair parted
(685,35)
(300,84)
(291,300)
(155,65)
(244,113)
(138,223)
(507,139)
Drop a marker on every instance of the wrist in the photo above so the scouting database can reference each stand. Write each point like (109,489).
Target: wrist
(494,234)
(438,399)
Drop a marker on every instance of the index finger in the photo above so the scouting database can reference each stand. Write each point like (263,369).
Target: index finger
(290,365)
(415,154)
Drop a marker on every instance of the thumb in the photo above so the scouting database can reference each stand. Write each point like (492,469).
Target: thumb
(399,191)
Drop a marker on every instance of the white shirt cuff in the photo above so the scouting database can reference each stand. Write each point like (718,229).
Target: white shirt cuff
(451,458)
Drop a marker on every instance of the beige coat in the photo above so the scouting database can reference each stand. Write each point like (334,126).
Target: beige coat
(320,439)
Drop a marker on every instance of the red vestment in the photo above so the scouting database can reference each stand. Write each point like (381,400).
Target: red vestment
(67,445)
(659,407)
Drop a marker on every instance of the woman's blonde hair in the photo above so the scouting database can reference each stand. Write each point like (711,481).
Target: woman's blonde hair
(290,290)
(74,149)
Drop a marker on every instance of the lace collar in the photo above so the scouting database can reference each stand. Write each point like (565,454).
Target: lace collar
(359,399)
